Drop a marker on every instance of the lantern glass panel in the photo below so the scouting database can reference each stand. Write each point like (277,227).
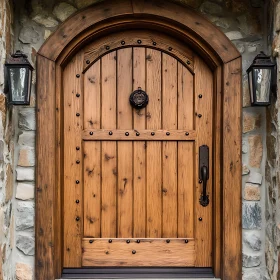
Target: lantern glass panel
(262,80)
(20,82)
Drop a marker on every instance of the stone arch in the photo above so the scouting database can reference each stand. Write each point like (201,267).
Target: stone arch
(224,60)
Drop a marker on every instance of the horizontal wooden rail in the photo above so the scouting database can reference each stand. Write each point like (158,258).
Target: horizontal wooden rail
(138,252)
(141,135)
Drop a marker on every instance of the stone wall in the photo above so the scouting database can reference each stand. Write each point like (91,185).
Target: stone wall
(6,148)
(243,22)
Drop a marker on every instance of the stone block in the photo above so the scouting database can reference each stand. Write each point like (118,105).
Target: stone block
(27,138)
(253,240)
(246,94)
(25,174)
(27,119)
(47,34)
(252,192)
(234,35)
(24,272)
(251,260)
(244,147)
(245,169)
(251,216)
(29,35)
(45,20)
(255,178)
(191,3)
(211,8)
(85,3)
(254,274)
(251,122)
(63,10)
(255,150)
(25,216)
(9,183)
(26,244)
(26,157)
(25,191)
(277,18)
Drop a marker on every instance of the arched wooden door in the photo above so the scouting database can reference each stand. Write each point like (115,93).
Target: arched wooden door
(132,176)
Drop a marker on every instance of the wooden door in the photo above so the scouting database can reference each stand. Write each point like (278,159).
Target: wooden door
(131,176)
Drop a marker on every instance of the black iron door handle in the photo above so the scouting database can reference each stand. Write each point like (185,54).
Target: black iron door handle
(204,199)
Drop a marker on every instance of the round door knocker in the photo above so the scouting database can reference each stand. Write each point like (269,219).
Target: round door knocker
(139,99)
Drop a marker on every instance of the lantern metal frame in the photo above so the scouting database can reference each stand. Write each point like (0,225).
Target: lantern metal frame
(16,61)
(261,61)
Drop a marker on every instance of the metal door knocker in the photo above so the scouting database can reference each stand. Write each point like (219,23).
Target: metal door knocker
(139,99)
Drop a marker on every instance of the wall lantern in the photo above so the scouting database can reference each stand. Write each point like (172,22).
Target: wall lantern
(19,72)
(261,75)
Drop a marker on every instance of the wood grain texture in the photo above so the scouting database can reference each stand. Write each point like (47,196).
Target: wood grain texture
(149,252)
(232,170)
(45,172)
(73,125)
(204,84)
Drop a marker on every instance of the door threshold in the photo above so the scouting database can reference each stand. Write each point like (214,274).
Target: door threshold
(138,273)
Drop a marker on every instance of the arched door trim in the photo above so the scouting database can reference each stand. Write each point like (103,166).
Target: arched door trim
(221,56)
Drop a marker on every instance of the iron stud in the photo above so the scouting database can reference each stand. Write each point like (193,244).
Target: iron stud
(91,241)
(78,76)
(127,134)
(123,42)
(199,115)
(77,182)
(77,161)
(78,114)
(127,241)
(170,49)
(186,241)
(110,240)
(138,241)
(133,252)
(188,62)
(77,201)
(187,134)
(111,133)
(77,219)
(152,133)
(200,181)
(107,48)
(200,219)
(200,96)
(77,148)
(91,133)
(139,41)
(167,241)
(88,61)
(137,134)
(78,95)
(154,43)
(167,133)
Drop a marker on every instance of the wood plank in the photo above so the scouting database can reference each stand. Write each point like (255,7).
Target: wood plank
(139,135)
(109,149)
(45,172)
(92,188)
(125,152)
(139,151)
(186,184)
(203,229)
(185,154)
(148,252)
(92,98)
(169,149)
(232,106)
(73,125)
(153,149)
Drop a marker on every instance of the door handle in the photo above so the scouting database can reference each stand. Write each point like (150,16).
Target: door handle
(204,173)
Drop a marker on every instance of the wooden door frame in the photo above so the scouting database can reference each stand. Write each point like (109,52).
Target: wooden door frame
(225,62)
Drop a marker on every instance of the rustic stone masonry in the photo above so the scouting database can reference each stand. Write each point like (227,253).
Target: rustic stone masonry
(243,22)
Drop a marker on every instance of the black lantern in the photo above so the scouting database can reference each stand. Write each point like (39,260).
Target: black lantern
(261,75)
(19,72)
